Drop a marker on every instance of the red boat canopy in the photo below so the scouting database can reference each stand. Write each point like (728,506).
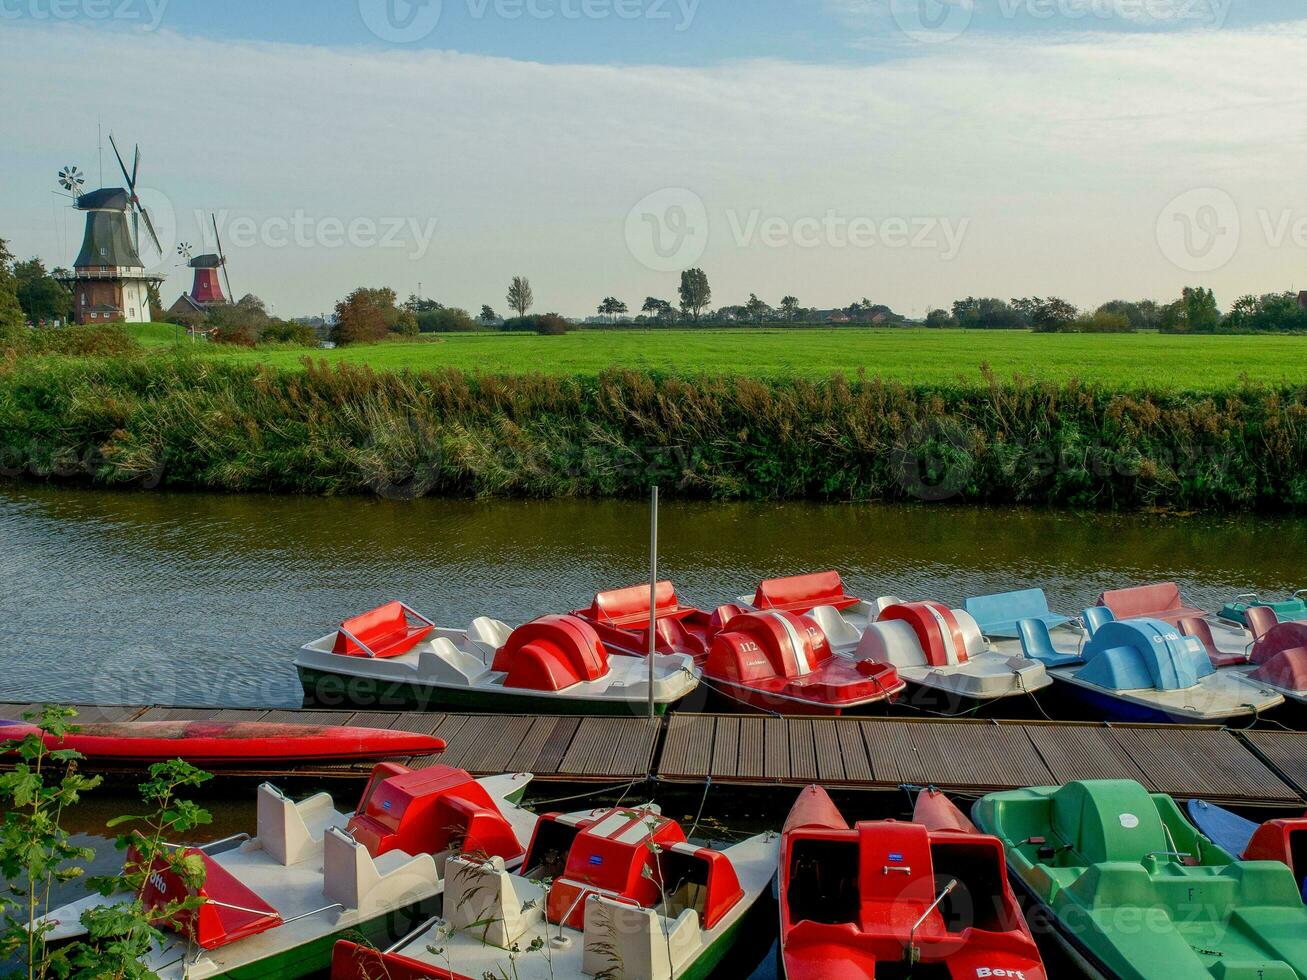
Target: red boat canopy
(230,911)
(552,654)
(1281,657)
(638,855)
(430,811)
(937,629)
(782,661)
(804,593)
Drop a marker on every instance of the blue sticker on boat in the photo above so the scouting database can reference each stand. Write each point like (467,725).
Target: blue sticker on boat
(898,858)
(385,805)
(596,860)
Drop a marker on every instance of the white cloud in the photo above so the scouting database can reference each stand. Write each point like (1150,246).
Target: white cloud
(1061,156)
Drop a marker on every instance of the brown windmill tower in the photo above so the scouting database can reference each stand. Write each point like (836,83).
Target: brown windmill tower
(109,281)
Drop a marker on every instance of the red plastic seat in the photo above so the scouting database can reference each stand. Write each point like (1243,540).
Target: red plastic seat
(1161,601)
(804,593)
(1261,620)
(630,607)
(1200,630)
(384,631)
(897,879)
(722,617)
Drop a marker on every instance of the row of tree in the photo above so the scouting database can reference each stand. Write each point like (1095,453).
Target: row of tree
(1196,311)
(695,298)
(31,294)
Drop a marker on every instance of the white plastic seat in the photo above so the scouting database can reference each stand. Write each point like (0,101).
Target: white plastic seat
(480,897)
(839,631)
(633,937)
(291,832)
(351,877)
(488,636)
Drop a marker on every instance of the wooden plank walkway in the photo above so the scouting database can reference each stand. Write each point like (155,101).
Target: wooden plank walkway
(1284,752)
(1263,768)
(980,756)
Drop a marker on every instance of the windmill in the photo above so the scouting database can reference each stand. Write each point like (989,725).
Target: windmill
(210,274)
(109,281)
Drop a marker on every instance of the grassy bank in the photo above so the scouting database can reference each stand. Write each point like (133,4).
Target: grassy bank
(947,357)
(219,423)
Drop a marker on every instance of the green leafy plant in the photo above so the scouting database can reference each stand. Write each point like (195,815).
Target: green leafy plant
(37,853)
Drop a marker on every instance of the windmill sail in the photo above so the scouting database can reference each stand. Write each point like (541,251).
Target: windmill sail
(231,297)
(138,210)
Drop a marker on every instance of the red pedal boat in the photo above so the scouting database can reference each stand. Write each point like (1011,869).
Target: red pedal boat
(216,743)
(889,899)
(773,659)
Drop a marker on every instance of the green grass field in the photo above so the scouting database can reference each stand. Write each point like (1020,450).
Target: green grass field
(157,334)
(1133,361)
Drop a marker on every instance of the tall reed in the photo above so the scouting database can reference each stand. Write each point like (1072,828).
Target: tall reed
(198,422)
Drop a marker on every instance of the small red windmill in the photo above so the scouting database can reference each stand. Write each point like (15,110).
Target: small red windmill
(207,288)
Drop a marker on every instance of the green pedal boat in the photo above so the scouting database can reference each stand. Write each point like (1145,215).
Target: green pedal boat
(1136,892)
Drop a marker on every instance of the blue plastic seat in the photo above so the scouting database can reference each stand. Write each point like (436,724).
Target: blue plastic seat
(1037,642)
(998,615)
(1095,618)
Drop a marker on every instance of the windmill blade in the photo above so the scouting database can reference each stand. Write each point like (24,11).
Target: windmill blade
(131,183)
(136,167)
(149,225)
(222,258)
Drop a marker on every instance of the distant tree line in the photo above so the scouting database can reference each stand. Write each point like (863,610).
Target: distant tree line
(31,295)
(694,306)
(1196,311)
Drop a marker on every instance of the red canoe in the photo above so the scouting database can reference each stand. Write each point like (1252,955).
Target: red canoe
(217,743)
(887,894)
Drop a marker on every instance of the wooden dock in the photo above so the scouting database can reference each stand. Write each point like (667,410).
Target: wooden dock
(1256,768)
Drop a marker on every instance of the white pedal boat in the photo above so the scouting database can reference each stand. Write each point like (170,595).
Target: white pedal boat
(275,904)
(937,649)
(394,656)
(613,893)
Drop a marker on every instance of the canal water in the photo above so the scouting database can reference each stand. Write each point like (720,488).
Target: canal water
(125,598)
(122,598)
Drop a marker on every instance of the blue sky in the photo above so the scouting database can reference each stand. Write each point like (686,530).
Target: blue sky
(908,151)
(702,32)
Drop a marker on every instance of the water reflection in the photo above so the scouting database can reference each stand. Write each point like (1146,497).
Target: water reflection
(201,599)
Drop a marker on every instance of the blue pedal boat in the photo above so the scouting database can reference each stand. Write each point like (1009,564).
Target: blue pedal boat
(1146,670)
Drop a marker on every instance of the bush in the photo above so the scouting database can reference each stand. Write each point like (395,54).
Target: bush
(449,320)
(1102,322)
(552,325)
(285,332)
(545,324)
(236,334)
(111,340)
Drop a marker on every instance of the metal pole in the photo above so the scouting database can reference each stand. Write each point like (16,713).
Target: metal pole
(653,596)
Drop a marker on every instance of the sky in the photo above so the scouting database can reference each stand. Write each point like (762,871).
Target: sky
(907,151)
